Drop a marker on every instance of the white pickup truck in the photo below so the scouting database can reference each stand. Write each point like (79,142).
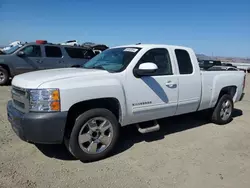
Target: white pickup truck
(121,86)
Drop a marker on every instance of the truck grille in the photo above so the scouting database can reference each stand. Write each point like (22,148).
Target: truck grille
(20,99)
(19,104)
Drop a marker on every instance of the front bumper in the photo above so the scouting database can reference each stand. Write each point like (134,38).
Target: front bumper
(45,128)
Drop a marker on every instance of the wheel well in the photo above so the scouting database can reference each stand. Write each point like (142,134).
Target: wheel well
(111,104)
(229,90)
(6,67)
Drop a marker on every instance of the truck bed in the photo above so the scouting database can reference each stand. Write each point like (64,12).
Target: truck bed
(214,81)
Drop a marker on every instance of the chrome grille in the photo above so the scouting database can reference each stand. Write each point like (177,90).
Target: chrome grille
(19,104)
(20,99)
(18,91)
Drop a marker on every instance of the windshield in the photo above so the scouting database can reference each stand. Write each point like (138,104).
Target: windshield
(112,60)
(13,49)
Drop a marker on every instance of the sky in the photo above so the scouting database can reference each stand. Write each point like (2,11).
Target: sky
(214,27)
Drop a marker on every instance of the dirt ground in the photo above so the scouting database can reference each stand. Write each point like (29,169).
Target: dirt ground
(187,152)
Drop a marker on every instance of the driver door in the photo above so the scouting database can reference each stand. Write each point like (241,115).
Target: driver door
(155,96)
(30,60)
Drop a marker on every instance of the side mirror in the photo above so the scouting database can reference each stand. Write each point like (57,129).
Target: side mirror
(145,69)
(20,54)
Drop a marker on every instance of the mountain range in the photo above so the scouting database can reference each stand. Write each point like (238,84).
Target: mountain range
(223,59)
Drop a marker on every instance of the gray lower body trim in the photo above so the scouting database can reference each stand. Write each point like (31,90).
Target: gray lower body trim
(45,128)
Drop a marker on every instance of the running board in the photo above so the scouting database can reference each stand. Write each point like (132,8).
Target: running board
(155,127)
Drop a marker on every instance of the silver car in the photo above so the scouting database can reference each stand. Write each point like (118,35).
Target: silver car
(38,56)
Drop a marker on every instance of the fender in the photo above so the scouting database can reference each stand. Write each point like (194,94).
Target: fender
(76,90)
(220,82)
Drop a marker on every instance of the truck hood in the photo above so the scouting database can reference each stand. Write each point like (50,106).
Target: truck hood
(35,79)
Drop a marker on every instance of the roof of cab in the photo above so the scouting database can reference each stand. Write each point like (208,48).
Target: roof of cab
(152,46)
(52,44)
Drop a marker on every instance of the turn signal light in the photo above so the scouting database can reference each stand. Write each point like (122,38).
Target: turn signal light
(55,106)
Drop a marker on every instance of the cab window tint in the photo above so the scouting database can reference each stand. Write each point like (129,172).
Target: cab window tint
(160,57)
(53,51)
(89,54)
(80,53)
(184,61)
(32,51)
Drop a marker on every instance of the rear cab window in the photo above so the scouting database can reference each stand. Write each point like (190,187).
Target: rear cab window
(184,61)
(53,51)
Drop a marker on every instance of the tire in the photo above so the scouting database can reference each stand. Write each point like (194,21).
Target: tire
(224,104)
(4,76)
(87,139)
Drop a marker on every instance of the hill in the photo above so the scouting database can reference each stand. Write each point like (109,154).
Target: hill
(224,59)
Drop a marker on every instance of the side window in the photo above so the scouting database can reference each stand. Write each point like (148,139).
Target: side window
(184,62)
(75,52)
(53,51)
(89,54)
(160,57)
(79,53)
(32,51)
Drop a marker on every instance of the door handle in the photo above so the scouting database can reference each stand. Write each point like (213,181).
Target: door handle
(171,84)
(39,61)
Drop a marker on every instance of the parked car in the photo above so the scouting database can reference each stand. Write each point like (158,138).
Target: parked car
(38,56)
(97,52)
(16,43)
(70,43)
(1,52)
(206,64)
(221,68)
(94,46)
(85,107)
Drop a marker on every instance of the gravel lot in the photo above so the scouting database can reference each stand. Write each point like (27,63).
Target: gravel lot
(188,152)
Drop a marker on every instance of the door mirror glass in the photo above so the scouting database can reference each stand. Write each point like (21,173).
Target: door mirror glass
(146,69)
(21,53)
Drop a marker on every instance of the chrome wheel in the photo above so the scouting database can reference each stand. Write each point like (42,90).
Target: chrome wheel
(2,76)
(96,135)
(226,110)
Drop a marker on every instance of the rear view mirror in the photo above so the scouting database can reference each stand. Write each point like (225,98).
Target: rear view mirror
(146,69)
(20,54)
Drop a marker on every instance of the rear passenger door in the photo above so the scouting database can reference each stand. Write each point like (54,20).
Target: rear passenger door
(189,81)
(53,58)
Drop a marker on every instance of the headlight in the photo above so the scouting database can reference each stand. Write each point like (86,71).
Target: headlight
(44,100)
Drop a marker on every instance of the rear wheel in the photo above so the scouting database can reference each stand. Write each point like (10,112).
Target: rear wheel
(94,135)
(4,76)
(222,113)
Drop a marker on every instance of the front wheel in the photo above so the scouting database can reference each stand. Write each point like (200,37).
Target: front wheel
(4,76)
(222,113)
(94,135)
